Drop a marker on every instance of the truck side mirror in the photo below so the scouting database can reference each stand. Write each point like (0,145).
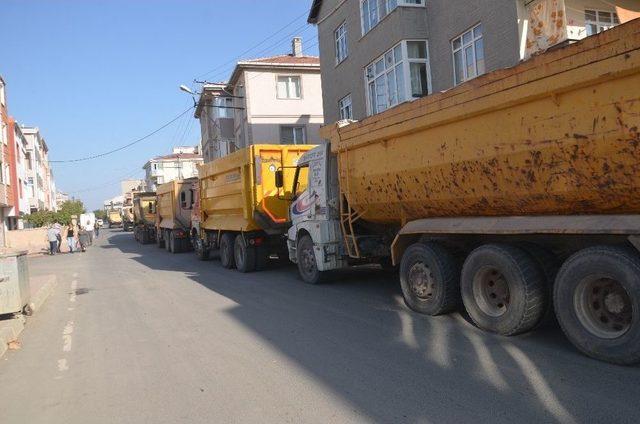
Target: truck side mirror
(279,178)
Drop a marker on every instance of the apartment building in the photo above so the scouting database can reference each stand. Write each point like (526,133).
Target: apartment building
(180,164)
(6,199)
(18,146)
(275,99)
(40,182)
(376,54)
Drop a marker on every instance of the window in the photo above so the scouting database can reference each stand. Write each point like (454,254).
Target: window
(346,110)
(373,11)
(289,87)
(342,50)
(597,21)
(387,77)
(468,55)
(223,107)
(292,135)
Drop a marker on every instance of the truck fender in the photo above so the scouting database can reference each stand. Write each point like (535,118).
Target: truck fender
(400,243)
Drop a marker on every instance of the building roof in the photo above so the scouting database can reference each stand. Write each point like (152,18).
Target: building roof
(287,61)
(209,90)
(314,12)
(174,156)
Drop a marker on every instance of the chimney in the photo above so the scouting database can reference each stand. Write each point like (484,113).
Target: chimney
(296,45)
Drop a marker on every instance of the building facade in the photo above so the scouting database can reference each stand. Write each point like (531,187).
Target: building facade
(376,54)
(40,182)
(272,100)
(180,164)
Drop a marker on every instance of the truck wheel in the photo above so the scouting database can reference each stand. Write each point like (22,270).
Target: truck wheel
(201,251)
(503,289)
(597,302)
(167,241)
(173,243)
(159,240)
(262,258)
(226,250)
(549,265)
(430,279)
(307,266)
(245,256)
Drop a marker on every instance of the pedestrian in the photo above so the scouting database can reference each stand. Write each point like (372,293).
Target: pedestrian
(58,229)
(97,228)
(83,238)
(71,239)
(52,237)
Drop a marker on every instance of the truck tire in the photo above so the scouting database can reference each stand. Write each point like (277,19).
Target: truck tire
(226,250)
(167,240)
(262,258)
(307,265)
(245,256)
(549,265)
(503,289)
(144,237)
(597,303)
(159,240)
(201,251)
(430,279)
(173,243)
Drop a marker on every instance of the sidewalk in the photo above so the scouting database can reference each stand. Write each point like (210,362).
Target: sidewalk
(41,287)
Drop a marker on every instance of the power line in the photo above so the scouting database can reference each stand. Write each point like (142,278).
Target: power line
(305,13)
(126,145)
(285,39)
(107,184)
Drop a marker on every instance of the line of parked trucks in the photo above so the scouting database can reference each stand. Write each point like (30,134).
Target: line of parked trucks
(515,195)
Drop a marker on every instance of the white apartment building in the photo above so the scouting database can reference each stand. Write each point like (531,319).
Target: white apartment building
(273,100)
(180,164)
(40,182)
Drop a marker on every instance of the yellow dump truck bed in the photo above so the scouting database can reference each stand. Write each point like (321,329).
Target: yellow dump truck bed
(144,210)
(238,192)
(174,204)
(114,217)
(558,134)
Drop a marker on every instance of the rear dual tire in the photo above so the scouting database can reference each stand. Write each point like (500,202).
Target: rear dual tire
(597,303)
(503,289)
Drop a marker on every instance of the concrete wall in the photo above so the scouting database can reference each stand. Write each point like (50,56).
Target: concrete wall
(33,240)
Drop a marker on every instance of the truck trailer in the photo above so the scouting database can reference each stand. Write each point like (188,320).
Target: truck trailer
(241,211)
(175,201)
(114,218)
(144,217)
(515,194)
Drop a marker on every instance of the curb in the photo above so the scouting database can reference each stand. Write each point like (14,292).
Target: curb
(9,331)
(38,299)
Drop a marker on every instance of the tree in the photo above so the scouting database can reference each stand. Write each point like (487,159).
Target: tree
(69,208)
(63,216)
(100,214)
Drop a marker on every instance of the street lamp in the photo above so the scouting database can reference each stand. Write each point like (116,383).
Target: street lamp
(187,90)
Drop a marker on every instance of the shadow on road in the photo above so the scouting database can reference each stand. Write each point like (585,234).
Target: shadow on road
(356,337)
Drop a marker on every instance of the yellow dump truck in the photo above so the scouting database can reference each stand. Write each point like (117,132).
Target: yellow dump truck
(242,213)
(175,201)
(127,217)
(513,194)
(144,217)
(115,218)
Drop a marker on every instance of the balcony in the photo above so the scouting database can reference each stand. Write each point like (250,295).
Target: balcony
(4,201)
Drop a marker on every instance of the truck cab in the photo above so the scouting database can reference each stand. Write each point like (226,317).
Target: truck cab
(314,239)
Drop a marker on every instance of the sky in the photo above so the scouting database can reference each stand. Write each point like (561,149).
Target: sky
(95,75)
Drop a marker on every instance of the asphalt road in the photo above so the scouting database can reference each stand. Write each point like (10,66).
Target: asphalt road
(134,334)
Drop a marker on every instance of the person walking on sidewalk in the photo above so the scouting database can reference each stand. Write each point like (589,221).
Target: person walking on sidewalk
(97,228)
(58,228)
(71,239)
(52,237)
